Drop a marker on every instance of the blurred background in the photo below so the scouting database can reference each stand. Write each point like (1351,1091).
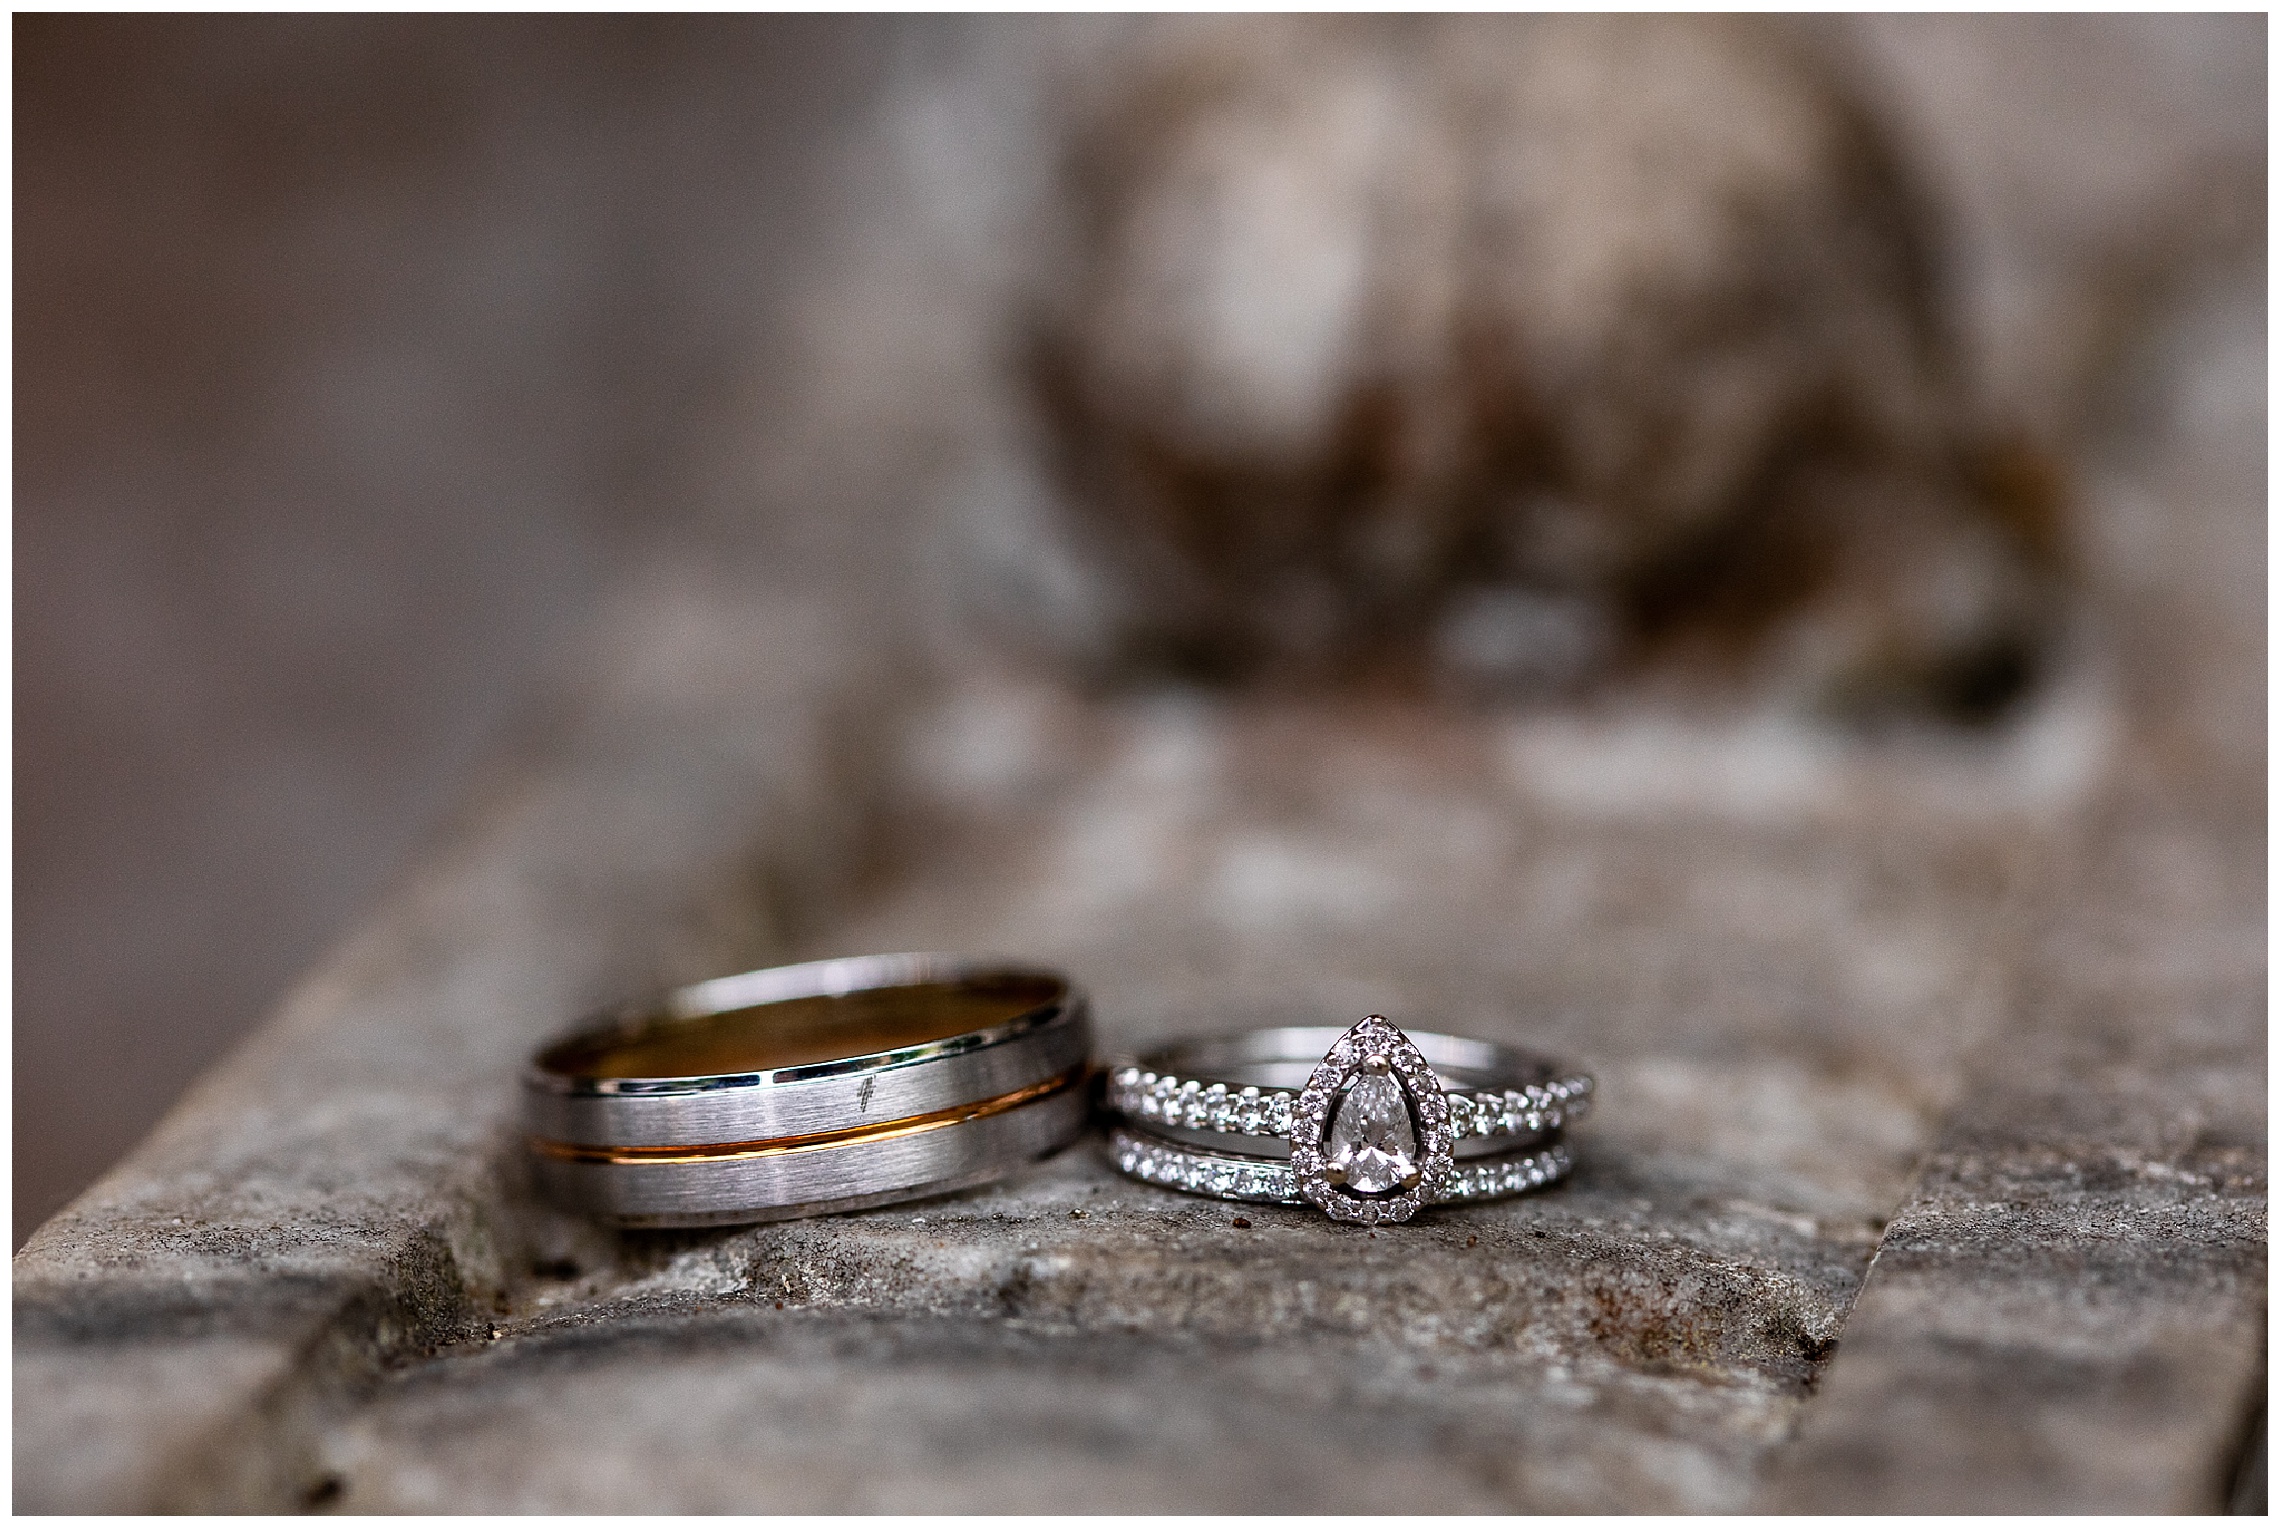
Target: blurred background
(356,356)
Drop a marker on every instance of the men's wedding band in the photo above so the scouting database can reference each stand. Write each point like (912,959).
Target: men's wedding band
(808,1089)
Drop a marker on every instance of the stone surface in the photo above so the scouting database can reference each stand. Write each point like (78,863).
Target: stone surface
(326,1202)
(2067,1313)
(332,1236)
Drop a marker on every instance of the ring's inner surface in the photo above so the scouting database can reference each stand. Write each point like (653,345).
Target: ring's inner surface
(801,1031)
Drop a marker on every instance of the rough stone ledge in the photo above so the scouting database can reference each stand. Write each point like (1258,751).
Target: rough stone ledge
(329,1201)
(1021,1414)
(2068,1314)
(1562,1273)
(323,1281)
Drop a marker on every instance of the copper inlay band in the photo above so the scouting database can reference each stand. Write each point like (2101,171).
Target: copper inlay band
(887,1130)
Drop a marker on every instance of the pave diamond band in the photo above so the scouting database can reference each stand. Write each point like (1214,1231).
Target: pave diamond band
(1190,1103)
(1247,1084)
(1259,1180)
(1370,1118)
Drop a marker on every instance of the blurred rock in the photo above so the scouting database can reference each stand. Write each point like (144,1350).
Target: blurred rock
(1348,326)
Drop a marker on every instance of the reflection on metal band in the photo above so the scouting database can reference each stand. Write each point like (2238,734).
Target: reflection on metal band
(918,1124)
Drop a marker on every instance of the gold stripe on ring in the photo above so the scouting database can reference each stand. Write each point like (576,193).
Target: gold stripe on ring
(737,1151)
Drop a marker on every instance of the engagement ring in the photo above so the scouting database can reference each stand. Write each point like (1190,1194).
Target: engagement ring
(1367,1125)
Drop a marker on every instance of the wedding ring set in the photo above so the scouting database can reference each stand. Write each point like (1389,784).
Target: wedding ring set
(1368,1124)
(845,1084)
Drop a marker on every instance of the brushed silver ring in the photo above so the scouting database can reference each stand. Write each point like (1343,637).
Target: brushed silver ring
(810,1089)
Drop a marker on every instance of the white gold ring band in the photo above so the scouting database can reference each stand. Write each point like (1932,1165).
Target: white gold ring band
(808,1089)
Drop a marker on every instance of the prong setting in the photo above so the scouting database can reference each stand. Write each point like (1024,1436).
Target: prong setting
(1375,1048)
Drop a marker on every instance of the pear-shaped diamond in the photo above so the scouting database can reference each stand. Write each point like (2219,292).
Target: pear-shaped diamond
(1372,1145)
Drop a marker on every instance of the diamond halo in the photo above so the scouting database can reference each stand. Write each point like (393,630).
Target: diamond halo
(1376,1050)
